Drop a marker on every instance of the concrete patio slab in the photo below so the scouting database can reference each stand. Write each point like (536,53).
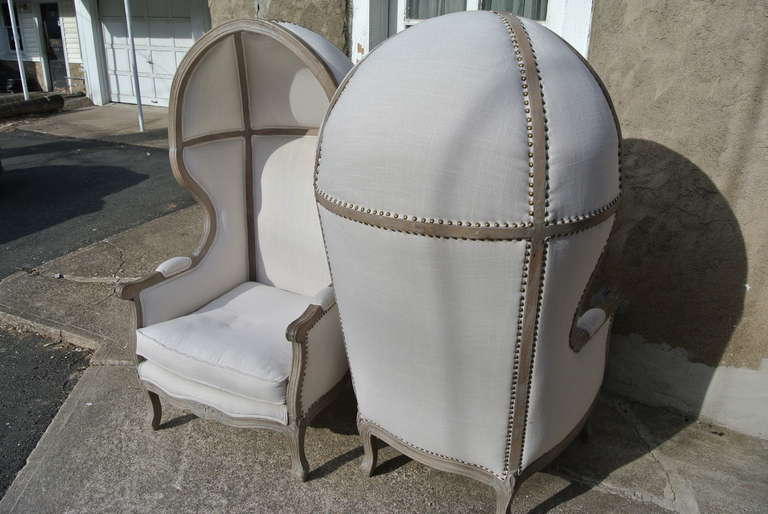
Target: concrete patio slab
(72,298)
(117,123)
(99,455)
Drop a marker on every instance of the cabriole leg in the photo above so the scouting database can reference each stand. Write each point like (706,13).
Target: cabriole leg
(157,409)
(370,453)
(505,493)
(299,465)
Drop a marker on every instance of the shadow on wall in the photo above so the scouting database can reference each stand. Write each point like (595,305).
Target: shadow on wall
(678,259)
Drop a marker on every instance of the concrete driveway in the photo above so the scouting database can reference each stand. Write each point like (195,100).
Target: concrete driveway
(59,194)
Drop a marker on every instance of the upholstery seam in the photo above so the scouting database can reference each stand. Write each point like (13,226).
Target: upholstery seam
(539,301)
(212,386)
(228,368)
(305,364)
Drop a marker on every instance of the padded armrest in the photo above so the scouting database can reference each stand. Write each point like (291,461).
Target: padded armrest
(298,330)
(174,266)
(590,322)
(325,298)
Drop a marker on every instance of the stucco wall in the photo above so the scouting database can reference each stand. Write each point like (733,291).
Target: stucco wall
(690,251)
(326,17)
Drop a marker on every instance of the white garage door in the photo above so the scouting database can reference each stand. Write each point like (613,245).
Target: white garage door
(162,32)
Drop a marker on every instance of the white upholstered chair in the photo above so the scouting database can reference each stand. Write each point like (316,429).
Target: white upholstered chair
(246,330)
(467,185)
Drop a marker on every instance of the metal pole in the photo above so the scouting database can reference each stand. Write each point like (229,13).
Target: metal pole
(15,29)
(134,68)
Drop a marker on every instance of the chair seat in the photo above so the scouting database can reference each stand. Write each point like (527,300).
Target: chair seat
(235,344)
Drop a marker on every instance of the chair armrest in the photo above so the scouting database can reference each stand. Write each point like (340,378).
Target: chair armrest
(165,270)
(298,330)
(590,322)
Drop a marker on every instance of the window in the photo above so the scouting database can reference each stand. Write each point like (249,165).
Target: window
(9,28)
(373,21)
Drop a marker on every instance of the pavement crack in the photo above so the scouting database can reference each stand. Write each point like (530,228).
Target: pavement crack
(677,490)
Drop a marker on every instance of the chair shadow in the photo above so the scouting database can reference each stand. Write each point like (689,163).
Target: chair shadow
(678,259)
(177,421)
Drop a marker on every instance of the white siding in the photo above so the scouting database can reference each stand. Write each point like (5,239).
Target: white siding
(69,30)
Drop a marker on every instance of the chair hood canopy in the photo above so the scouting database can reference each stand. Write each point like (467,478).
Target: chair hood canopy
(247,103)
(467,180)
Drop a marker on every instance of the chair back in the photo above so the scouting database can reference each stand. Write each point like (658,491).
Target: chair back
(247,102)
(467,187)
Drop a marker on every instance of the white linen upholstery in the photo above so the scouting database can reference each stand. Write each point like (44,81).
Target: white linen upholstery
(218,168)
(336,61)
(429,325)
(217,71)
(454,136)
(232,405)
(467,176)
(289,242)
(235,343)
(283,91)
(213,327)
(583,139)
(564,382)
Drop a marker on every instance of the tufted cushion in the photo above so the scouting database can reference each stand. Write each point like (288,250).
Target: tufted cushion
(235,344)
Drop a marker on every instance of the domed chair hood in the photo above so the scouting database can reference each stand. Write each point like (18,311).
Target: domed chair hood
(467,182)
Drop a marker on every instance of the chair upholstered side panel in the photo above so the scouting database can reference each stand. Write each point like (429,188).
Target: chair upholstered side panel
(218,167)
(583,137)
(450,111)
(430,325)
(215,76)
(289,245)
(325,358)
(283,91)
(564,383)
(337,62)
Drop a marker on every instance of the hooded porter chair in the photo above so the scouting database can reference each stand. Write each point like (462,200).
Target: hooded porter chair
(246,331)
(467,180)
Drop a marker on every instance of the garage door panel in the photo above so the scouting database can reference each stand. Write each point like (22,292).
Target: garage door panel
(163,87)
(180,9)
(163,63)
(111,8)
(160,34)
(114,31)
(182,34)
(140,32)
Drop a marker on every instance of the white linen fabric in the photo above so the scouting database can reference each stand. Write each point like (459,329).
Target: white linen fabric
(432,125)
(283,91)
(289,243)
(433,122)
(430,326)
(564,383)
(218,167)
(216,71)
(235,343)
(229,404)
(326,360)
(583,139)
(338,63)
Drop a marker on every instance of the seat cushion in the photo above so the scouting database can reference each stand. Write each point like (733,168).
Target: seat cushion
(236,343)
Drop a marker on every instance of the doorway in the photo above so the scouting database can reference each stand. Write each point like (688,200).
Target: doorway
(53,45)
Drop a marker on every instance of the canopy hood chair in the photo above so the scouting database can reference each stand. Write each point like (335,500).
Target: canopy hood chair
(463,218)
(246,331)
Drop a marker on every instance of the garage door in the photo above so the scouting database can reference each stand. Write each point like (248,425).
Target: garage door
(162,33)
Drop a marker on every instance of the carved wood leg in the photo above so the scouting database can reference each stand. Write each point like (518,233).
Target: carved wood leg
(505,493)
(370,452)
(299,465)
(157,409)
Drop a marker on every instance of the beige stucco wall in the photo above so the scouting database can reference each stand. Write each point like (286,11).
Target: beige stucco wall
(689,81)
(326,17)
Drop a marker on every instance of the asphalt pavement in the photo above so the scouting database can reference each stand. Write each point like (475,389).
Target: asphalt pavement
(58,194)
(36,375)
